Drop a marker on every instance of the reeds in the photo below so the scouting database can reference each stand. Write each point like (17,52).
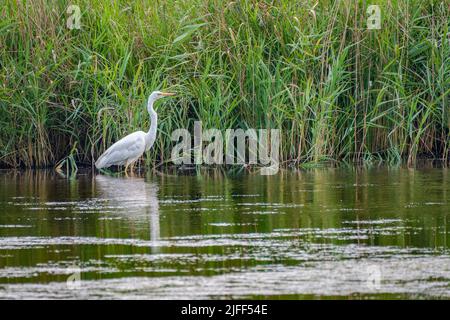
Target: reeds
(337,90)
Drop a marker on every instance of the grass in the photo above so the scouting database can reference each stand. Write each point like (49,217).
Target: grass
(337,90)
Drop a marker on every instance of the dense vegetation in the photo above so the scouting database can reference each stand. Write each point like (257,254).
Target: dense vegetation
(337,90)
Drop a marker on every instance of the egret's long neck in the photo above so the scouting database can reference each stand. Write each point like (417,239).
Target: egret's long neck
(151,134)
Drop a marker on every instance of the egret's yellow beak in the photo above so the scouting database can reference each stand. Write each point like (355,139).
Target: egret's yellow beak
(168,94)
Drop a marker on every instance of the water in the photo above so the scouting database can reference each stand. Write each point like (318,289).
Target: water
(322,233)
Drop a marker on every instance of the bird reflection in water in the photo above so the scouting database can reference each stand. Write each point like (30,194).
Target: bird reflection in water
(133,198)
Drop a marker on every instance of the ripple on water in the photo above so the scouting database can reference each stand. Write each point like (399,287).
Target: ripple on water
(145,238)
(13,226)
(333,278)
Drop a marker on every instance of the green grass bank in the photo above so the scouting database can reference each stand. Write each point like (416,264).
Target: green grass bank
(336,89)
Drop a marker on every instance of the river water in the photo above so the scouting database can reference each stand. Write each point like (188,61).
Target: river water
(318,233)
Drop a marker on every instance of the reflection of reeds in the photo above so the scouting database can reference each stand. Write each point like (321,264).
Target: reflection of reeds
(337,90)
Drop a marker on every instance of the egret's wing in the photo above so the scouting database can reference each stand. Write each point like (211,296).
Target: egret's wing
(127,148)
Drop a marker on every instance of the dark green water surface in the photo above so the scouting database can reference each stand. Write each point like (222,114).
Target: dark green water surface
(319,233)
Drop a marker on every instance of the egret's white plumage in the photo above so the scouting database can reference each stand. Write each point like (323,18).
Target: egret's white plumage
(124,151)
(128,149)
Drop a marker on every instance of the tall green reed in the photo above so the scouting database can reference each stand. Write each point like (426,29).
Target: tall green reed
(337,90)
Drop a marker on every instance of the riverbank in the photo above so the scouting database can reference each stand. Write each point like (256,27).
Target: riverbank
(337,90)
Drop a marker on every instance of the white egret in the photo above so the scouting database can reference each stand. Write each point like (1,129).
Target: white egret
(130,148)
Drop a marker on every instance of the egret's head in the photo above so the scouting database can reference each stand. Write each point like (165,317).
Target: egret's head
(158,95)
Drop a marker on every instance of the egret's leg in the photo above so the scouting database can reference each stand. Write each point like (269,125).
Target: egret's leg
(131,168)
(126,170)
